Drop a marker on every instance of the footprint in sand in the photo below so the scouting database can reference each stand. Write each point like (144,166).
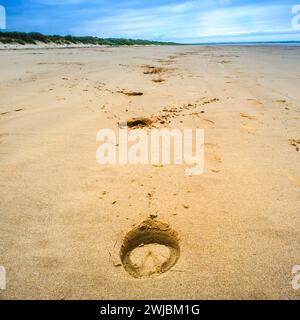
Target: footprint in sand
(244,115)
(207,124)
(213,162)
(256,102)
(154,70)
(131,93)
(7,112)
(150,249)
(246,128)
(136,123)
(281,101)
(159,80)
(295,143)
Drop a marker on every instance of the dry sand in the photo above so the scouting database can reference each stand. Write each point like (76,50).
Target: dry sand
(63,217)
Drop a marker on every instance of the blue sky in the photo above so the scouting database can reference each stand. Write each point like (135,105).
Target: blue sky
(191,21)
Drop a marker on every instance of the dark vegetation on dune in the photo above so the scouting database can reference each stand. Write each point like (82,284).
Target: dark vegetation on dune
(34,37)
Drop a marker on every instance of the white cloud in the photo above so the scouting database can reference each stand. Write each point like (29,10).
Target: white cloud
(245,19)
(139,22)
(60,2)
(189,20)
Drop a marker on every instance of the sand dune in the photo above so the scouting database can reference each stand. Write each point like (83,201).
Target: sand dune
(67,224)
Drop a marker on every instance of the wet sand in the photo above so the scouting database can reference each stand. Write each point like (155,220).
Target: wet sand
(64,217)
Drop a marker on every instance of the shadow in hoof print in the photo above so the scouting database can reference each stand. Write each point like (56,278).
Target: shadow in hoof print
(136,123)
(131,93)
(150,249)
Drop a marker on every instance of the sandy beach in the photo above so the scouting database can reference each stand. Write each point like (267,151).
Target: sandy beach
(64,217)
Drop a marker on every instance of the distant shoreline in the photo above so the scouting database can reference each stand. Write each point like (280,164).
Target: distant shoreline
(297,43)
(51,46)
(35,40)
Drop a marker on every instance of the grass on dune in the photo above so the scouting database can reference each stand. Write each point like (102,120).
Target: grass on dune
(35,37)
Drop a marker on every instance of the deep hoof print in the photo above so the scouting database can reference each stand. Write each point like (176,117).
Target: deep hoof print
(158,80)
(139,123)
(154,70)
(131,93)
(150,249)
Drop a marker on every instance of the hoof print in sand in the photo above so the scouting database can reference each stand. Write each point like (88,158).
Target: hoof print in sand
(137,123)
(150,249)
(295,143)
(154,70)
(158,80)
(131,93)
